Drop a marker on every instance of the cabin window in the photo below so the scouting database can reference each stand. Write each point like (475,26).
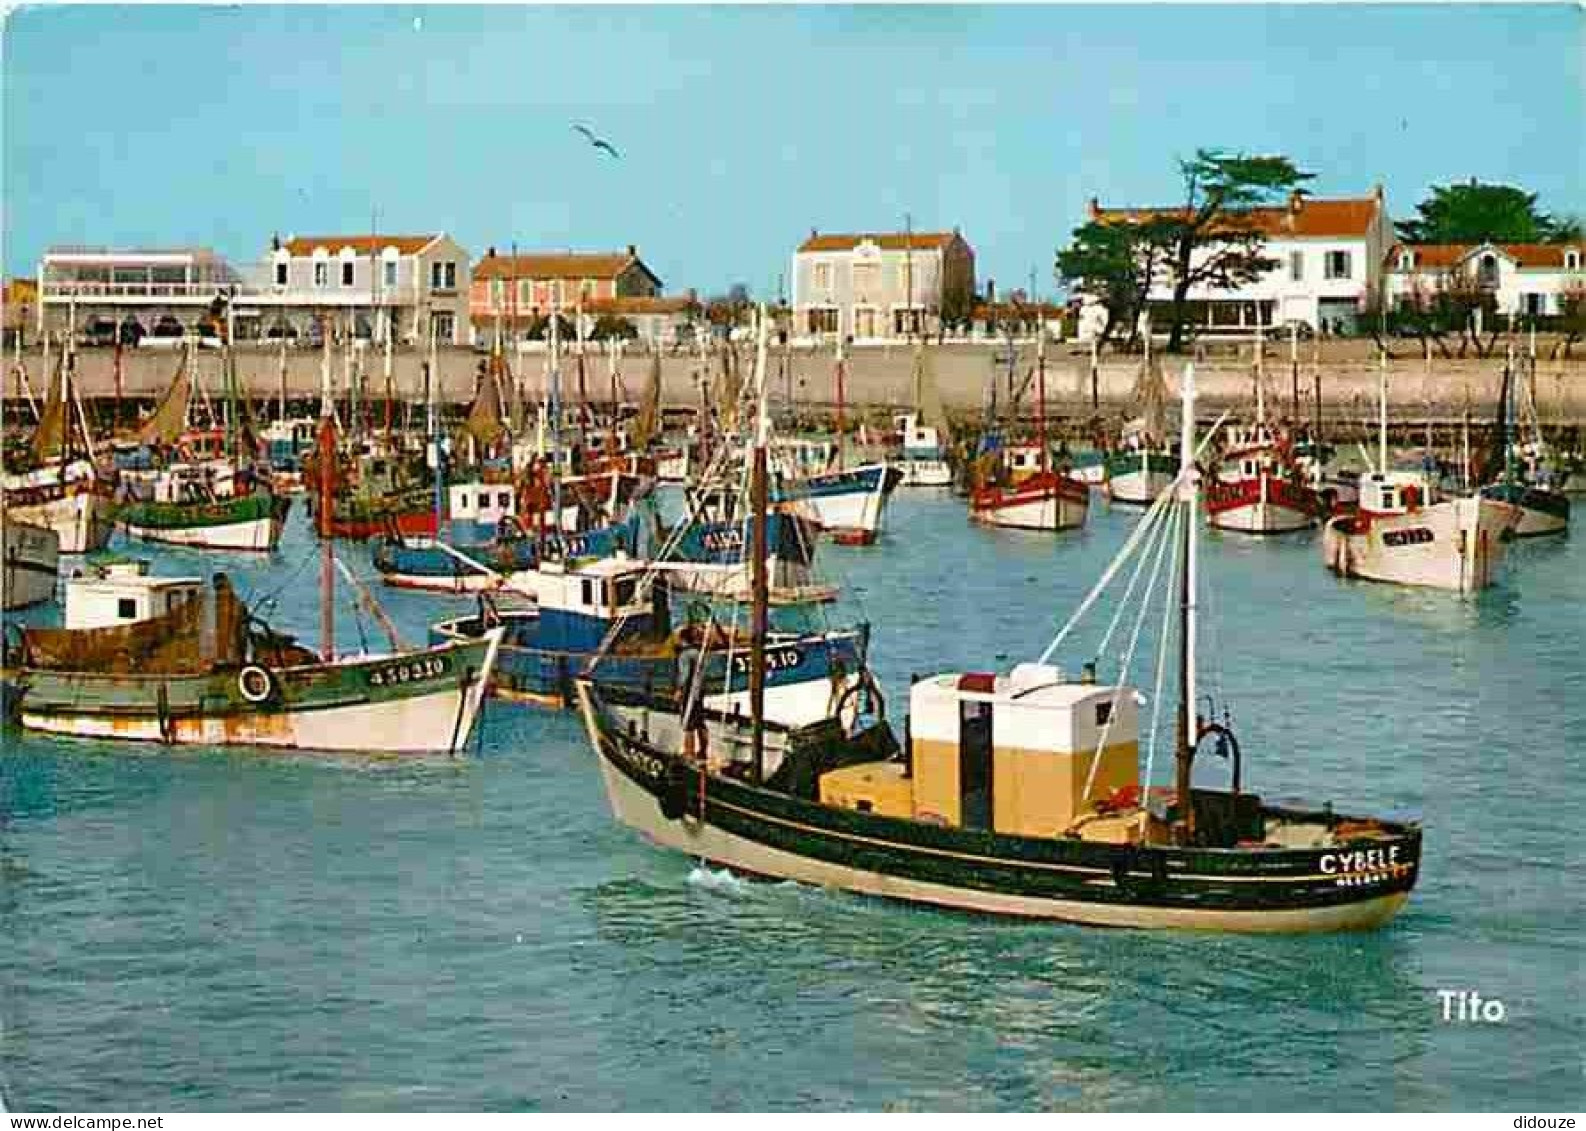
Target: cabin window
(625,590)
(503,499)
(1337,264)
(126,608)
(1387,500)
(1103,713)
(589,592)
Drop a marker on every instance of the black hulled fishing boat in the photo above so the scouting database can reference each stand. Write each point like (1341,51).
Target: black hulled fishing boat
(1019,794)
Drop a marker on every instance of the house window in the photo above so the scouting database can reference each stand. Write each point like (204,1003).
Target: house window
(864,279)
(126,608)
(346,272)
(823,321)
(443,324)
(1533,303)
(1487,273)
(498,291)
(1337,265)
(906,321)
(280,274)
(823,276)
(1296,266)
(321,274)
(1406,261)
(524,286)
(390,272)
(1572,260)
(443,276)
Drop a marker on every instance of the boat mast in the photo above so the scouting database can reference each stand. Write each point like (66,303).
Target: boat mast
(390,392)
(1294,372)
(1261,375)
(759,585)
(842,369)
(435,436)
(231,382)
(1189,493)
(326,444)
(1382,412)
(556,416)
(1040,397)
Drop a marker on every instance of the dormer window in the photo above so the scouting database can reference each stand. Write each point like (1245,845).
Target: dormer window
(1572,260)
(1406,261)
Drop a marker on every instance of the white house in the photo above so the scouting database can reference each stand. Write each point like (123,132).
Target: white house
(360,285)
(1524,278)
(881,285)
(1329,255)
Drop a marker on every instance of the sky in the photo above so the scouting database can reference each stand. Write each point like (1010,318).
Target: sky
(742,128)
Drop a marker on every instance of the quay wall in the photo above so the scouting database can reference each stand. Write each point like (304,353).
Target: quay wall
(880,378)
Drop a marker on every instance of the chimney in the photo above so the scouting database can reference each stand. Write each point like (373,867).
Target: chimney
(490,253)
(1095,208)
(275,242)
(991,291)
(633,251)
(1378,193)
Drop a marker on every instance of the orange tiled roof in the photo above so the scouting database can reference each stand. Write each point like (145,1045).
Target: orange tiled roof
(1309,216)
(1442,256)
(362,245)
(556,265)
(887,241)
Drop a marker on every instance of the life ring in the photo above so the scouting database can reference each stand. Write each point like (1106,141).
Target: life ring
(255,684)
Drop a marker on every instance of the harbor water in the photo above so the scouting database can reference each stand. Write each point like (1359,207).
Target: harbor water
(196,929)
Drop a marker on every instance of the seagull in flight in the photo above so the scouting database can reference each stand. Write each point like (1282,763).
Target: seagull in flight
(598,142)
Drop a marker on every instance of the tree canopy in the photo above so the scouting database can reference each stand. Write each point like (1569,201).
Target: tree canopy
(1475,212)
(1114,264)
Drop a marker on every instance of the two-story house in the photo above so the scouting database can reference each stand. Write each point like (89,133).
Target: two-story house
(1523,278)
(1328,255)
(362,285)
(883,285)
(514,291)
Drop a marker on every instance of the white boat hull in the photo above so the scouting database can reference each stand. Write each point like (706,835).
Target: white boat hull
(1051,513)
(1139,487)
(32,564)
(82,521)
(1456,545)
(925,473)
(1534,523)
(254,534)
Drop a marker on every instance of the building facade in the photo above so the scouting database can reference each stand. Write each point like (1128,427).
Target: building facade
(1328,254)
(360,286)
(881,286)
(529,285)
(1524,279)
(131,292)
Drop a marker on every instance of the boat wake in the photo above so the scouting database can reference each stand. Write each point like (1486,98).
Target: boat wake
(720,880)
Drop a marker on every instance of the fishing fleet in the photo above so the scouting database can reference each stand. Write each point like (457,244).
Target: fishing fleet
(667,585)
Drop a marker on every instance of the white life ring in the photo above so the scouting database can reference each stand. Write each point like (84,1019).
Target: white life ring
(255,683)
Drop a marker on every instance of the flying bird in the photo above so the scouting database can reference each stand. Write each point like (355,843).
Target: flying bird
(598,142)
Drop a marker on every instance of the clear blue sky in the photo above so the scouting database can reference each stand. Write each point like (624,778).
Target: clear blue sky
(742,128)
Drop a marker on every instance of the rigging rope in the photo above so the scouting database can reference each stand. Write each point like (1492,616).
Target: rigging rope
(1163,645)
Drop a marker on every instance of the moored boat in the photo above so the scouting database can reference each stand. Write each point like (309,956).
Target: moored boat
(31,563)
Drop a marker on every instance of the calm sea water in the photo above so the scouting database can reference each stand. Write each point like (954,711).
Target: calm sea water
(222,929)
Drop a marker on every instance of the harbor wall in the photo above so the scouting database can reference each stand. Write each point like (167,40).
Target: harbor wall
(878,379)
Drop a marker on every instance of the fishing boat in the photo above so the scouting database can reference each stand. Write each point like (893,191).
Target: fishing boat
(1018,794)
(619,611)
(1520,478)
(1047,499)
(189,666)
(1402,533)
(1141,466)
(31,563)
(60,486)
(921,434)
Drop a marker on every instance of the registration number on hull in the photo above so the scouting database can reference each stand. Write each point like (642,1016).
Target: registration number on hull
(409,671)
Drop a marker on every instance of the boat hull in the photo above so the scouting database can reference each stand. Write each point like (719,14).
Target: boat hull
(252,522)
(1541,511)
(1050,503)
(80,514)
(421,702)
(32,564)
(846,503)
(759,832)
(1138,478)
(1262,505)
(1455,545)
(925,472)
